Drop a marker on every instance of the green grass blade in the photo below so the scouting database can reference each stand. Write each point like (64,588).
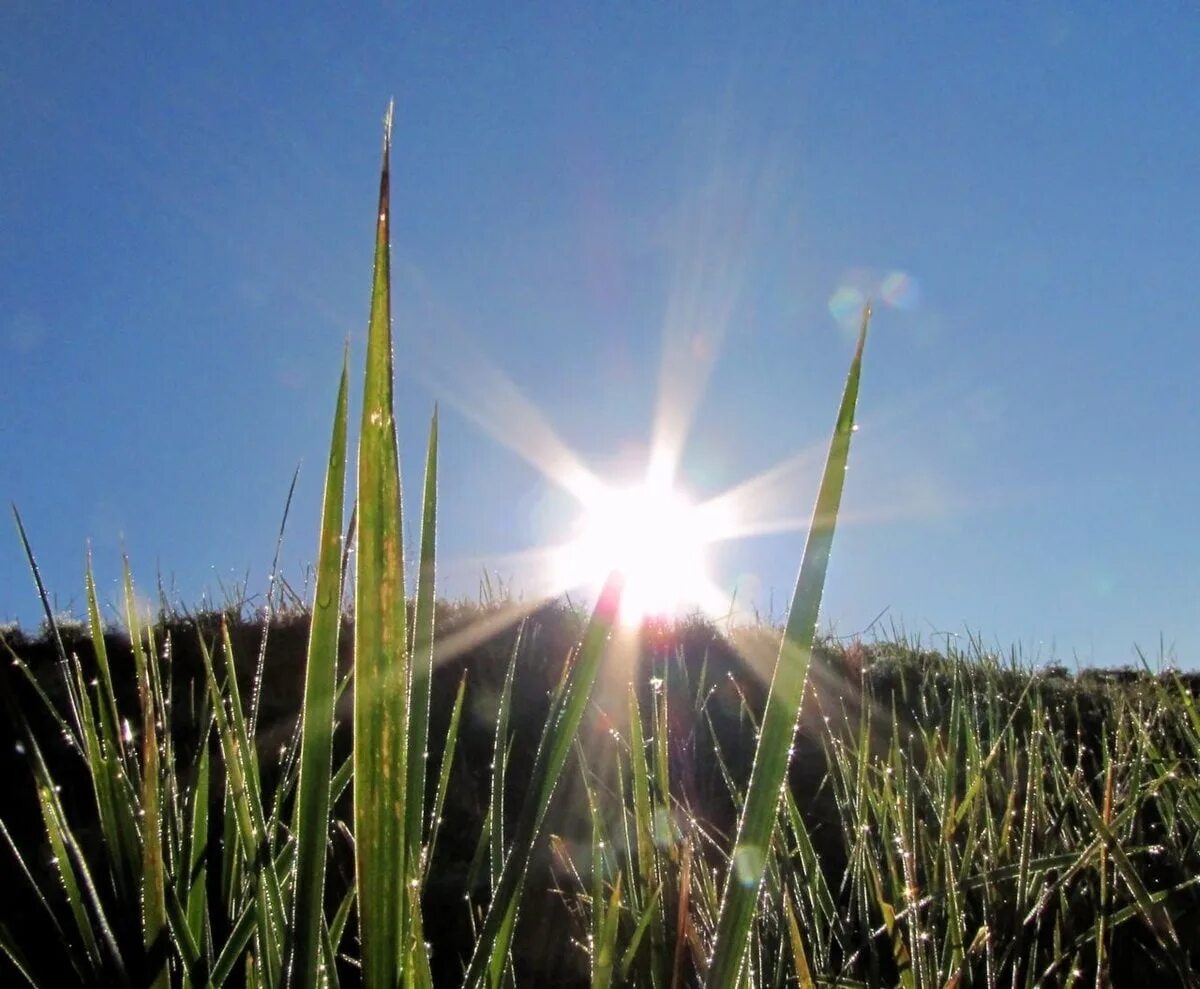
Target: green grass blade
(235,944)
(154,896)
(643,822)
(491,947)
(55,832)
(34,886)
(443,785)
(606,946)
(10,948)
(73,870)
(635,942)
(111,770)
(499,765)
(51,624)
(417,972)
(422,656)
(110,719)
(799,956)
(757,821)
(380,647)
(271,926)
(197,874)
(311,825)
(337,926)
(186,946)
(245,798)
(256,693)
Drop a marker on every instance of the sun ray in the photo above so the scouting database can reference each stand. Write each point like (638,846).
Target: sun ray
(763,503)
(462,375)
(491,621)
(713,236)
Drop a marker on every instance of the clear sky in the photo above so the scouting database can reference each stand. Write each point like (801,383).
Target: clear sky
(186,209)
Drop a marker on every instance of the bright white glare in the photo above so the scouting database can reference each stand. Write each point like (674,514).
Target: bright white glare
(654,537)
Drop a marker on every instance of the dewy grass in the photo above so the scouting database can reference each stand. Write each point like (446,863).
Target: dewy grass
(311,825)
(955,821)
(757,824)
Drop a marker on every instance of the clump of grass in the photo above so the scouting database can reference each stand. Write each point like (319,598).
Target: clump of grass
(937,821)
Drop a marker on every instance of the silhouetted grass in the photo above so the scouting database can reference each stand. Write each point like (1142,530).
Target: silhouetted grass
(874,742)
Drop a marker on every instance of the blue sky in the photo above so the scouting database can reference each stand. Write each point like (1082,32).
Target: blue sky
(186,202)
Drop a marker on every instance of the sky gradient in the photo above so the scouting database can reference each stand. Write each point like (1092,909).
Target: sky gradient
(579,194)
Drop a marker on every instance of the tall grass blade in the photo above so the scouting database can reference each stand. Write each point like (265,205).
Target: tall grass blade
(647,857)
(606,943)
(186,946)
(11,950)
(500,763)
(235,944)
(110,767)
(56,832)
(256,693)
(799,955)
(197,874)
(311,825)
(443,784)
(757,821)
(245,803)
(110,719)
(422,656)
(154,897)
(73,871)
(51,624)
(380,647)
(34,886)
(639,932)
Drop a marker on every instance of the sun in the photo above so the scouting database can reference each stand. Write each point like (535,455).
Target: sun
(653,536)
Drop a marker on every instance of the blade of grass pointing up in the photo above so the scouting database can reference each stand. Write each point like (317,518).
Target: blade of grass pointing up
(500,763)
(422,656)
(757,822)
(154,906)
(311,827)
(381,675)
(52,627)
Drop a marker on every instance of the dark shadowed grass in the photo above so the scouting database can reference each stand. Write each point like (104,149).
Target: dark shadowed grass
(947,816)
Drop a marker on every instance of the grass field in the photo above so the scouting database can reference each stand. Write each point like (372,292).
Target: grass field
(947,817)
(437,795)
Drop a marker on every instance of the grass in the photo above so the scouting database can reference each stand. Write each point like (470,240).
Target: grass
(937,820)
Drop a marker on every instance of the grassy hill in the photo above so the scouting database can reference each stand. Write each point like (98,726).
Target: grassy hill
(949,819)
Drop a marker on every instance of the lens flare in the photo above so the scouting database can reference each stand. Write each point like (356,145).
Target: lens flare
(846,304)
(653,536)
(900,290)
